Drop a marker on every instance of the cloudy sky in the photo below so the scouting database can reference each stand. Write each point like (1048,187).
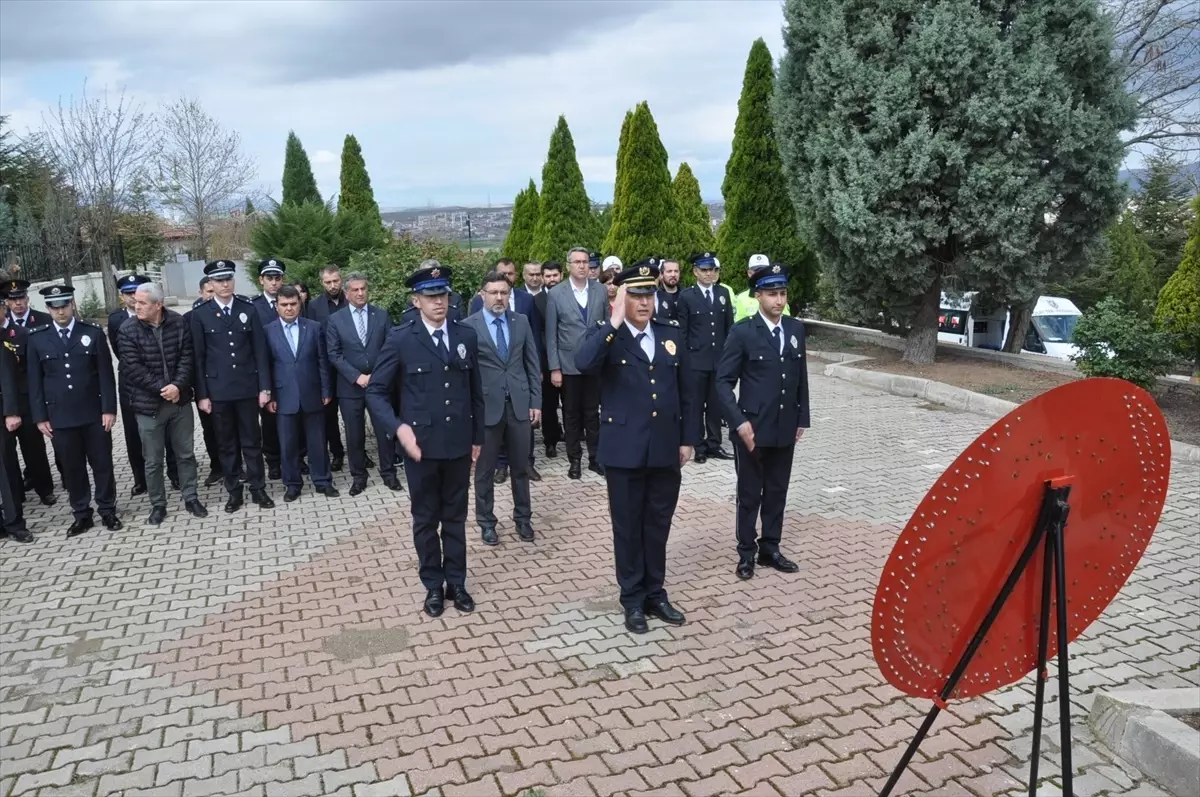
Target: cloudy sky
(453,101)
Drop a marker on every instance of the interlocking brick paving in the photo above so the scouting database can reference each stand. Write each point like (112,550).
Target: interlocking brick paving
(284,652)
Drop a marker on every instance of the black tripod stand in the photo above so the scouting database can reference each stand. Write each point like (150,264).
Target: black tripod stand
(1048,533)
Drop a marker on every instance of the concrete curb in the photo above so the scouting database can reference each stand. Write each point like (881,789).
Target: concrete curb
(1137,725)
(948,396)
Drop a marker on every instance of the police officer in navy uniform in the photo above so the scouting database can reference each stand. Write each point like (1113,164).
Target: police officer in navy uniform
(649,424)
(764,358)
(434,363)
(16,334)
(73,400)
(270,277)
(211,447)
(705,318)
(127,286)
(233,380)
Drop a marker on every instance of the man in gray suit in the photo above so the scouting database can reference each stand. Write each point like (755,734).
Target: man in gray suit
(511,373)
(572,306)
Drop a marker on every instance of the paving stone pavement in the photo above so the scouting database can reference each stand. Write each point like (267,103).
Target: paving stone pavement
(283,652)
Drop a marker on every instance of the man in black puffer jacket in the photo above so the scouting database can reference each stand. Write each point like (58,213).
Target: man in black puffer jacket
(156,380)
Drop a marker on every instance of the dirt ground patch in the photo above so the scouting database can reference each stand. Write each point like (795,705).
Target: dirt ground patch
(1179,407)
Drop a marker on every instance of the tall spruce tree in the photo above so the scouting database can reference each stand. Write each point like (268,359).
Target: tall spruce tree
(759,215)
(1178,310)
(645,222)
(1130,267)
(1161,214)
(693,224)
(564,210)
(356,195)
(606,244)
(945,138)
(518,244)
(299,185)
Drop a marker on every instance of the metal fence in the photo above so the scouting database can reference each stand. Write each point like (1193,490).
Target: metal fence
(39,263)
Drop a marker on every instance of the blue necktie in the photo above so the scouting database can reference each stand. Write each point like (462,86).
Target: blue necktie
(442,349)
(501,340)
(775,333)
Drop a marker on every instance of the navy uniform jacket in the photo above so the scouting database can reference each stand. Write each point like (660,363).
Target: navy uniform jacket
(645,414)
(666,305)
(115,319)
(16,341)
(442,403)
(773,394)
(70,385)
(704,330)
(10,392)
(232,362)
(266,312)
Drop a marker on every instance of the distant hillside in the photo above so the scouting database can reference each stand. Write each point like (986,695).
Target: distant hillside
(1134,177)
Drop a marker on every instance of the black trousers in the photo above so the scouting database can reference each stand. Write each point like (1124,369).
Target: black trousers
(704,383)
(133,446)
(236,425)
(12,493)
(641,502)
(513,434)
(333,431)
(270,437)
(438,490)
(763,476)
(552,431)
(211,446)
(355,414)
(33,451)
(581,414)
(81,447)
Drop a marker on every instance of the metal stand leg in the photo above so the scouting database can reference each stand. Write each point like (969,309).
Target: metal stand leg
(1064,677)
(1040,674)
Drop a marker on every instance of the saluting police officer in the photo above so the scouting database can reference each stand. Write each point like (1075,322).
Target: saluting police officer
(765,358)
(270,277)
(705,318)
(127,286)
(649,424)
(73,400)
(434,363)
(233,380)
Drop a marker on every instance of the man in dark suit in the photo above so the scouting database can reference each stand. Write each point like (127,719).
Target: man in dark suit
(764,358)
(354,338)
(552,432)
(233,380)
(705,317)
(127,287)
(302,391)
(511,377)
(440,425)
(12,495)
(648,428)
(73,400)
(319,310)
(16,334)
(270,277)
(572,307)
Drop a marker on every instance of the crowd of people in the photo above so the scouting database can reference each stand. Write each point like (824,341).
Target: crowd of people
(643,371)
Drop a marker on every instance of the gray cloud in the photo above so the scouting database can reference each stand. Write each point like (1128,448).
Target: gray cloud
(289,43)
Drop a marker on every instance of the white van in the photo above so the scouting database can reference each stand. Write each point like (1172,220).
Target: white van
(1053,324)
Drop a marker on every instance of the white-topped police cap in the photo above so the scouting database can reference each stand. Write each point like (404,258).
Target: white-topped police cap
(220,269)
(612,261)
(759,261)
(271,267)
(58,295)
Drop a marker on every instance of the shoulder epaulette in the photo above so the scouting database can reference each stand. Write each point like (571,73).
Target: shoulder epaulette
(81,322)
(745,320)
(666,322)
(38,329)
(243,298)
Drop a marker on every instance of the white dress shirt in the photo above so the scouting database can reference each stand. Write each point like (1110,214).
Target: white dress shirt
(647,343)
(771,329)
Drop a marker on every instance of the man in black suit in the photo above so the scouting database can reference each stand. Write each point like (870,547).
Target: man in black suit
(764,358)
(552,431)
(19,321)
(270,277)
(354,338)
(302,391)
(127,287)
(319,310)
(233,380)
(12,495)
(434,363)
(73,401)
(705,317)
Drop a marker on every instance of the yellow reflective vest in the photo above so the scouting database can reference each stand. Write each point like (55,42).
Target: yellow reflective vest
(745,305)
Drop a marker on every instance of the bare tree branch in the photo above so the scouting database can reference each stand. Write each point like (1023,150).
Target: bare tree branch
(201,169)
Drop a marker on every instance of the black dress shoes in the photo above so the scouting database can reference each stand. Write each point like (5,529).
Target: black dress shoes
(291,494)
(575,471)
(235,500)
(138,489)
(214,477)
(435,602)
(111,522)
(551,451)
(49,499)
(525,531)
(779,562)
(664,611)
(195,508)
(157,515)
(534,476)
(462,599)
(22,536)
(745,569)
(357,487)
(635,621)
(720,453)
(392,483)
(337,463)
(700,459)
(261,498)
(273,473)
(328,492)
(501,475)
(596,467)
(489,536)
(79,527)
